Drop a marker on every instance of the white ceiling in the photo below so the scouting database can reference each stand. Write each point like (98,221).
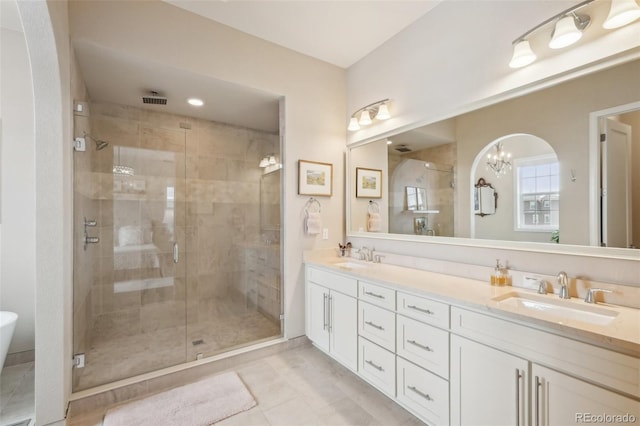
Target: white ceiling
(338,32)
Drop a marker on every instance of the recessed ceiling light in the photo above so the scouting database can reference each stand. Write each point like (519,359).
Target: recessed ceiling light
(195,101)
(389,141)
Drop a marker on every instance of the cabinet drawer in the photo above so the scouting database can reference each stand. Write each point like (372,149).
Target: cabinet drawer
(377,366)
(426,394)
(422,309)
(377,325)
(423,344)
(341,283)
(378,295)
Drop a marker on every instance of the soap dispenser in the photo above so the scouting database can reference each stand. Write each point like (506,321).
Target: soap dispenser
(499,276)
(496,277)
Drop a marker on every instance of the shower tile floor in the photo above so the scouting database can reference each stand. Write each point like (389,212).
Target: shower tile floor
(116,356)
(301,386)
(17,399)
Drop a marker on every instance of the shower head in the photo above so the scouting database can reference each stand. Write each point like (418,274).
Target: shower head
(100,144)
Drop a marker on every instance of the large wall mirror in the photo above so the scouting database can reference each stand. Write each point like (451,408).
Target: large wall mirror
(541,154)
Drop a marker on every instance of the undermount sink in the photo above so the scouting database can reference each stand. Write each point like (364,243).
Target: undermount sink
(557,309)
(350,265)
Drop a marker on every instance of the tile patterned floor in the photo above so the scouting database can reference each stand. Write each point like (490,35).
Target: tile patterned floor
(302,386)
(16,393)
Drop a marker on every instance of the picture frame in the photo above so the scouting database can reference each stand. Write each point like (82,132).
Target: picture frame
(315,178)
(368,183)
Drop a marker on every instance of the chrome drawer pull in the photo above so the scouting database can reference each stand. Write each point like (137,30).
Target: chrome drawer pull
(424,395)
(379,327)
(426,311)
(377,367)
(426,348)
(379,296)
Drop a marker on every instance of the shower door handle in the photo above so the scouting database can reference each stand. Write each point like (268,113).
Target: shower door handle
(175,253)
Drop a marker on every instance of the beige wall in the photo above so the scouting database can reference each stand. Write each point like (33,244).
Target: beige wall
(371,156)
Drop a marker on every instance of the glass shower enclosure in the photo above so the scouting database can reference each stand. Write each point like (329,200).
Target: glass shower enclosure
(173,259)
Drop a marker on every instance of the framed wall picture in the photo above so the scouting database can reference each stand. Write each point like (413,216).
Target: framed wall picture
(315,178)
(368,183)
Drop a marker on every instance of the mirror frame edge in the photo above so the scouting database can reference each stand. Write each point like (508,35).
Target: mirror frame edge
(565,249)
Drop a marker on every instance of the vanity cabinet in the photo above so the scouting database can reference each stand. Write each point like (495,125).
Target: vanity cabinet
(488,386)
(332,315)
(456,365)
(559,399)
(496,363)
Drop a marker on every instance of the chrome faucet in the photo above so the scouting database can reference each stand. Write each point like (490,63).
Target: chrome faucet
(364,253)
(563,280)
(590,297)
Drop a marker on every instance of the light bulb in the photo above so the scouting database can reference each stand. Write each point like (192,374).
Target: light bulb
(565,33)
(522,55)
(365,118)
(383,112)
(353,124)
(622,12)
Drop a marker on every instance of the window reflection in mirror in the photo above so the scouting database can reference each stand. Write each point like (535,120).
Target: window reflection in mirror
(527,191)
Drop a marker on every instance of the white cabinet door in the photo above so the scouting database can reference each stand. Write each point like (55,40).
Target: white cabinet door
(562,400)
(317,308)
(488,386)
(343,329)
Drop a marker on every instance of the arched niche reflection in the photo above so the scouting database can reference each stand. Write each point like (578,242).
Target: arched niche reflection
(529,191)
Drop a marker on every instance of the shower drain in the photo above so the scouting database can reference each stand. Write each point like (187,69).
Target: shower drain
(197,342)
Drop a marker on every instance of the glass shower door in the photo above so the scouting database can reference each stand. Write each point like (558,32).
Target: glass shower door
(129,284)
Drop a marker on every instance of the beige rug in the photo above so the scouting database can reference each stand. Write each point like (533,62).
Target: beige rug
(196,404)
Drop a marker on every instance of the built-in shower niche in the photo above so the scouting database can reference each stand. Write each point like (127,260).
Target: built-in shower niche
(182,269)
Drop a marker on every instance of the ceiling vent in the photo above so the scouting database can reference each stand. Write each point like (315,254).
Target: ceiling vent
(154,98)
(402,148)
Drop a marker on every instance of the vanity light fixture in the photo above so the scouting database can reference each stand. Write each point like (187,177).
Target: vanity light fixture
(568,30)
(268,160)
(500,162)
(568,27)
(622,12)
(364,116)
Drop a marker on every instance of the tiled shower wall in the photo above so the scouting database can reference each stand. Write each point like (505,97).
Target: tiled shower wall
(441,191)
(215,210)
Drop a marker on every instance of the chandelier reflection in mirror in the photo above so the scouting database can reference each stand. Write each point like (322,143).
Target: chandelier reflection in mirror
(500,161)
(121,170)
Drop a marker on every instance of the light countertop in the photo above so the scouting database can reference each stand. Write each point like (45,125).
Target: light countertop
(622,334)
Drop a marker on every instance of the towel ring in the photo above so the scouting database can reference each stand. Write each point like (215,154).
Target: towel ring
(311,203)
(373,207)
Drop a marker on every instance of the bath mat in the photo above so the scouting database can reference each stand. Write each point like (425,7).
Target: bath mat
(196,404)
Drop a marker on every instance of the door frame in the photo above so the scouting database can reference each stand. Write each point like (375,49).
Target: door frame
(595,181)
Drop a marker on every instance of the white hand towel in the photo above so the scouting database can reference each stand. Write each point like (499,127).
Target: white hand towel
(374,223)
(313,223)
